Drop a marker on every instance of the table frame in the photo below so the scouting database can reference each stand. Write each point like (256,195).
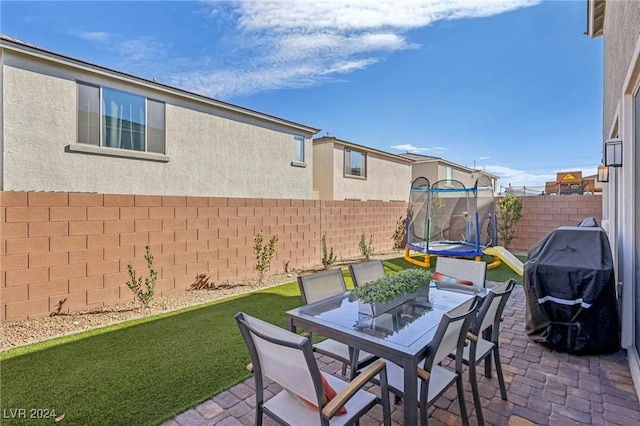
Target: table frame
(408,357)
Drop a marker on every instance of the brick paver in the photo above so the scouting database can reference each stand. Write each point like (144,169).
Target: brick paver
(545,387)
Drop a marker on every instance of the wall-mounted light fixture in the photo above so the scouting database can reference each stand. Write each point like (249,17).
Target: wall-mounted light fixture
(613,153)
(603,173)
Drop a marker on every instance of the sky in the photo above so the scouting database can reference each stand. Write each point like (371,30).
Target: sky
(512,87)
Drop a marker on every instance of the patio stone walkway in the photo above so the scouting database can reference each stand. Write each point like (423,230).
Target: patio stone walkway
(544,387)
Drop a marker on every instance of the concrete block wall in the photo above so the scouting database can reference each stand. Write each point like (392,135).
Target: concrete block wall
(543,214)
(78,245)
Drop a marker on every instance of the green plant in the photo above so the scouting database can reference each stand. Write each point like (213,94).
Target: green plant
(400,234)
(264,253)
(508,212)
(329,258)
(366,249)
(392,286)
(143,293)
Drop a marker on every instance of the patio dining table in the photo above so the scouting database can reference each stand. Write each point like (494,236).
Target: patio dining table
(400,335)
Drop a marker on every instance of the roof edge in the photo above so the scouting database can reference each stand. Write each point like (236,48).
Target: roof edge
(10,43)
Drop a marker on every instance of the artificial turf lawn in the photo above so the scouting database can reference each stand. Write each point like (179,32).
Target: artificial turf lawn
(144,372)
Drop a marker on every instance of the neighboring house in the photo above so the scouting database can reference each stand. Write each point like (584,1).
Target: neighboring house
(347,171)
(572,183)
(435,169)
(69,125)
(619,24)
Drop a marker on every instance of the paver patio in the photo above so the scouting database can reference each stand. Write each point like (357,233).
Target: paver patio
(545,387)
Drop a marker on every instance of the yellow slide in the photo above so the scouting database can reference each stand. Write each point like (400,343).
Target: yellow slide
(507,257)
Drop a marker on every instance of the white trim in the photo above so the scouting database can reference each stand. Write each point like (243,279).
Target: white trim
(115,152)
(626,201)
(634,367)
(578,301)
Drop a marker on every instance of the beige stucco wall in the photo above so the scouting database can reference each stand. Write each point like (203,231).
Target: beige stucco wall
(621,34)
(211,151)
(387,179)
(435,171)
(323,175)
(428,170)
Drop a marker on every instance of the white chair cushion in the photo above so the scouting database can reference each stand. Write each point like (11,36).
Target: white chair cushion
(483,347)
(439,380)
(293,412)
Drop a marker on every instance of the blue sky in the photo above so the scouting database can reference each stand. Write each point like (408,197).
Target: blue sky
(513,87)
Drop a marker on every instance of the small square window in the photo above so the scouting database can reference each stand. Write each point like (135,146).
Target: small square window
(355,163)
(298,149)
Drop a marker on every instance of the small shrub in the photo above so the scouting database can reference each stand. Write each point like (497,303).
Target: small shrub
(400,234)
(264,253)
(329,258)
(366,249)
(143,293)
(508,212)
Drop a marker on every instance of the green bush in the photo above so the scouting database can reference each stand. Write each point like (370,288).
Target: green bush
(329,258)
(508,212)
(135,284)
(390,287)
(366,249)
(264,253)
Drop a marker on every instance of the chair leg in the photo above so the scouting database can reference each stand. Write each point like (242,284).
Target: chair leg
(344,369)
(503,388)
(473,379)
(463,406)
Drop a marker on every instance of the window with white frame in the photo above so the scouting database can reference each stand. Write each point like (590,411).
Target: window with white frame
(116,119)
(448,173)
(298,149)
(355,163)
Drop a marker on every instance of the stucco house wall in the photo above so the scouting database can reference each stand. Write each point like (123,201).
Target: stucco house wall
(212,148)
(323,171)
(619,23)
(435,169)
(388,176)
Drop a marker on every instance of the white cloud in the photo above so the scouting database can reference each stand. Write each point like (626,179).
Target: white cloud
(415,150)
(98,36)
(137,49)
(298,43)
(519,178)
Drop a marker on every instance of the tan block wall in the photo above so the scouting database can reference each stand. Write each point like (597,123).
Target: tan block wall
(77,245)
(543,214)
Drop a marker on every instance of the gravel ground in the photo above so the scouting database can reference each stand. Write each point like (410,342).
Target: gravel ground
(20,333)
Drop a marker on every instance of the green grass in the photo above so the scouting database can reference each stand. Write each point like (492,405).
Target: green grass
(144,372)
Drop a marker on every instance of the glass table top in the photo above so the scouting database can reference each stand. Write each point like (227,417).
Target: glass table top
(402,325)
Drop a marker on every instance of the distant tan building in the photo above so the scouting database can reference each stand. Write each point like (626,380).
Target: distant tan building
(436,168)
(344,170)
(572,183)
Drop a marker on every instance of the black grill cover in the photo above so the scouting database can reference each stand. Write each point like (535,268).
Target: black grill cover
(570,291)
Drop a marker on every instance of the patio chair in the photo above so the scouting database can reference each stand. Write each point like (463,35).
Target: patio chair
(365,272)
(462,275)
(483,341)
(319,286)
(434,378)
(308,396)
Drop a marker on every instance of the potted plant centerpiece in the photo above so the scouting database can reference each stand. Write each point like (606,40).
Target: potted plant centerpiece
(387,292)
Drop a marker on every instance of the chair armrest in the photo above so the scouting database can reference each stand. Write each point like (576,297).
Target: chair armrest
(345,394)
(472,337)
(423,374)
